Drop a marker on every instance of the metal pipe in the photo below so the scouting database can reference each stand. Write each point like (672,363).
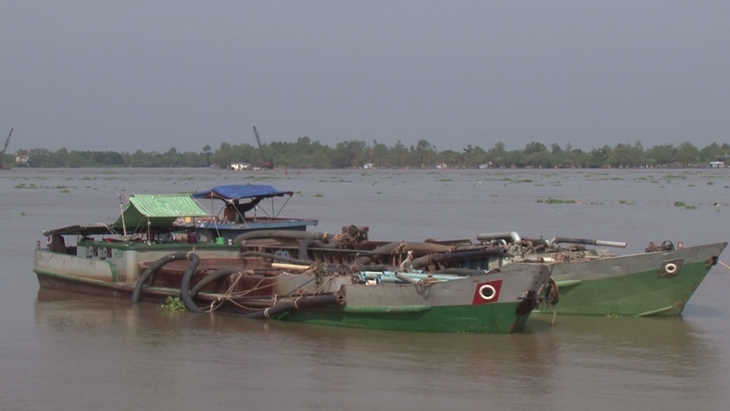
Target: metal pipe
(405,278)
(390,248)
(429,259)
(500,236)
(290,234)
(309,242)
(589,242)
(296,304)
(275,257)
(468,272)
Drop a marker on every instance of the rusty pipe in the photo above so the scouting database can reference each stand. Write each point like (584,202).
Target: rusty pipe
(290,234)
(221,272)
(296,304)
(429,259)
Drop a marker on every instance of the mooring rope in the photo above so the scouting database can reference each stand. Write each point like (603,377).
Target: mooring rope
(229,294)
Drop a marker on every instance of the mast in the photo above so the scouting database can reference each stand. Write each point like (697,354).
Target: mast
(5,147)
(266,163)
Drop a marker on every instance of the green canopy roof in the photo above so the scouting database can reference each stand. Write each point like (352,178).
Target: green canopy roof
(158,209)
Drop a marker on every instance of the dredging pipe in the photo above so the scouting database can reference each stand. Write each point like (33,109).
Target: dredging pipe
(297,304)
(587,241)
(429,259)
(309,242)
(403,246)
(275,257)
(153,269)
(466,272)
(289,234)
(221,272)
(185,285)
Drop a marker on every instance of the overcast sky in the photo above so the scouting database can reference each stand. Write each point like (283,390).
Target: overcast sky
(151,75)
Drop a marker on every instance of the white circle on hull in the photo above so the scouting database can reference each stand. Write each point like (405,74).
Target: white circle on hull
(487,292)
(670,268)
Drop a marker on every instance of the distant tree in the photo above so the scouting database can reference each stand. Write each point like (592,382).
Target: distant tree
(535,147)
(687,154)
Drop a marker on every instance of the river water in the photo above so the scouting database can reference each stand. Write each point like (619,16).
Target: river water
(63,351)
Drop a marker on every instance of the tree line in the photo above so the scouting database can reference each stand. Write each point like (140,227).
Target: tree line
(305,153)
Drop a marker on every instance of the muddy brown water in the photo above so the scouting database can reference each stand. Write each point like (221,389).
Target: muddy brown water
(63,351)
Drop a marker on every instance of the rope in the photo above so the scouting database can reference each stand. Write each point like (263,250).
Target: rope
(229,294)
(226,295)
(407,260)
(723,264)
(427,281)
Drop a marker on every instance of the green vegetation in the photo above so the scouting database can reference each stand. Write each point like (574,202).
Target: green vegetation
(551,200)
(679,204)
(305,153)
(173,304)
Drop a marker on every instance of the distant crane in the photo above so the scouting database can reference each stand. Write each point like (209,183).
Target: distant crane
(5,148)
(267,163)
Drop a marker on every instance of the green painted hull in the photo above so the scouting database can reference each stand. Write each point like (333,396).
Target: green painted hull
(490,318)
(455,306)
(635,285)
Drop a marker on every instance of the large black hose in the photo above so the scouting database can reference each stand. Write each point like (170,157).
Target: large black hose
(221,272)
(297,304)
(456,256)
(308,242)
(290,234)
(185,285)
(153,269)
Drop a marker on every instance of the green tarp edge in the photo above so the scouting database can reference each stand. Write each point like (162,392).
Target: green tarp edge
(158,209)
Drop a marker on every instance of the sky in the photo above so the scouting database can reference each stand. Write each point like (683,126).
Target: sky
(154,75)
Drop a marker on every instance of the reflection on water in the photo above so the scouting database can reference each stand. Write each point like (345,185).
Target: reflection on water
(68,352)
(663,356)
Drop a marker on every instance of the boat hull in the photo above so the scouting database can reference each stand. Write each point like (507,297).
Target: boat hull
(590,282)
(499,302)
(650,284)
(453,306)
(492,319)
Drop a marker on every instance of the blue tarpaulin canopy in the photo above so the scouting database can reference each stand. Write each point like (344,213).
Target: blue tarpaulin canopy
(240,191)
